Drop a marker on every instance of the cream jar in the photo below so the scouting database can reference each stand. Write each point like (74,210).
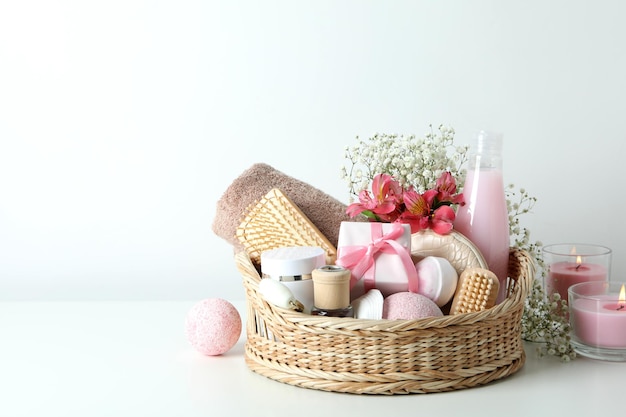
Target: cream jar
(293,266)
(331,285)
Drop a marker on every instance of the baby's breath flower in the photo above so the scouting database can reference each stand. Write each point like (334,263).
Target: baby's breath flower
(545,321)
(411,160)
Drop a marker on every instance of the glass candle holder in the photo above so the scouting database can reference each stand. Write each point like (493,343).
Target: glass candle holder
(570,264)
(597,313)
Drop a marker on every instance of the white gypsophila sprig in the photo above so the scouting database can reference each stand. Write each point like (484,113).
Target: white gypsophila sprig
(411,160)
(519,202)
(544,319)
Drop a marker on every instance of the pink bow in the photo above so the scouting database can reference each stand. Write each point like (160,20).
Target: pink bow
(360,260)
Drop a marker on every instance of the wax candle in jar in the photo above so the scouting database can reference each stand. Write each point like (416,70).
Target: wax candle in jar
(598,314)
(572,264)
(563,275)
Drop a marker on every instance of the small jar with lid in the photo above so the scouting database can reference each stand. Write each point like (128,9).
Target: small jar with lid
(293,267)
(331,285)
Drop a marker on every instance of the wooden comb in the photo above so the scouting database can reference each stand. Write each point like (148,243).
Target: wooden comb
(275,222)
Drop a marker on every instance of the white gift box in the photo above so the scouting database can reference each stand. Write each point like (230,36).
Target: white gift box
(378,256)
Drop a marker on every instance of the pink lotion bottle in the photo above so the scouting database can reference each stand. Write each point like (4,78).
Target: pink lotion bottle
(484,218)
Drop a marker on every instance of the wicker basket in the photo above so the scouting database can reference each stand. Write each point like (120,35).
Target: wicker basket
(387,356)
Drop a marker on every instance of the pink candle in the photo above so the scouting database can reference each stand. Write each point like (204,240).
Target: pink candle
(562,275)
(600,320)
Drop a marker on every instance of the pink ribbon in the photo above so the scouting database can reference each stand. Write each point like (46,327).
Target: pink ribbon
(361,260)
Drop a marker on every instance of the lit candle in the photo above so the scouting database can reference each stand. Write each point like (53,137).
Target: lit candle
(598,319)
(562,275)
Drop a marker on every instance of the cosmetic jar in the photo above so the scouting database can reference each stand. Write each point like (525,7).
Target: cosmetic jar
(293,266)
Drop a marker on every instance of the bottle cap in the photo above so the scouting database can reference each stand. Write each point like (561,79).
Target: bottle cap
(488,143)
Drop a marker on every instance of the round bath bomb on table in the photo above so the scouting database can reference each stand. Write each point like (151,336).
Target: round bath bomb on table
(409,306)
(213,326)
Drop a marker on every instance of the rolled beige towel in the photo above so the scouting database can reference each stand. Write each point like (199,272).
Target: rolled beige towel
(323,210)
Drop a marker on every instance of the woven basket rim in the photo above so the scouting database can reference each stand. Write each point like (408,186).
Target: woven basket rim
(514,299)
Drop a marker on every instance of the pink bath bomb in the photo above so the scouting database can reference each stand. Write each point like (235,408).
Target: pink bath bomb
(213,326)
(409,306)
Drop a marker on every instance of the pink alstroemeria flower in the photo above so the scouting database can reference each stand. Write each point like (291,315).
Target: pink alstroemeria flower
(382,203)
(417,209)
(442,220)
(421,214)
(446,189)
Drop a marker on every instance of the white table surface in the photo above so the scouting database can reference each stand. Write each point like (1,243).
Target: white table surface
(132,359)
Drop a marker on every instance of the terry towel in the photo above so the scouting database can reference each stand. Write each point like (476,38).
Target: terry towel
(323,210)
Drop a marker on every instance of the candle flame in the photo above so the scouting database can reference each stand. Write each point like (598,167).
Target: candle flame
(579,261)
(622,296)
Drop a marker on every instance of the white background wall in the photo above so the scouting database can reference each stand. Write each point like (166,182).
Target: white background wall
(122,122)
